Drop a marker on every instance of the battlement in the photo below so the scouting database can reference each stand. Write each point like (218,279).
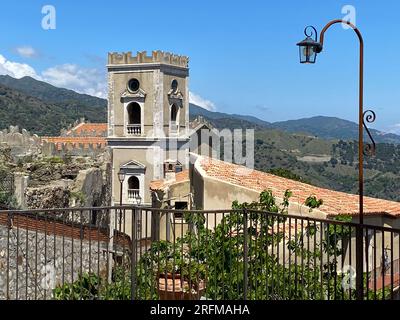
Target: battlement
(142,57)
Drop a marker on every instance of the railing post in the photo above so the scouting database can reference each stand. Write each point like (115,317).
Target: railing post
(359,263)
(245,254)
(133,253)
(111,233)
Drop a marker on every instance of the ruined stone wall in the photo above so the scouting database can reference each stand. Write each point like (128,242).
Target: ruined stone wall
(21,143)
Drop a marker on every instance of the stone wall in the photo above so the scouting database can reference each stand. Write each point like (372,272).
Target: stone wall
(37,262)
(21,143)
(50,149)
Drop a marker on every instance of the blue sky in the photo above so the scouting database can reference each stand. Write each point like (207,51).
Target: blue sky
(243,57)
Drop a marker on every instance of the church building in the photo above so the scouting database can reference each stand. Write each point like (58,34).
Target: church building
(148,121)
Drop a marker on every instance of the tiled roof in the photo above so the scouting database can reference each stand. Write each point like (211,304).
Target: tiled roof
(77,141)
(94,129)
(161,184)
(334,202)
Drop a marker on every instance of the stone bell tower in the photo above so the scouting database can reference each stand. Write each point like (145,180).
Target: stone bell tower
(148,120)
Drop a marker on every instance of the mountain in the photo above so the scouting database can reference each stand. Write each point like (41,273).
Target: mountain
(49,93)
(331,128)
(45,116)
(44,109)
(76,105)
(196,110)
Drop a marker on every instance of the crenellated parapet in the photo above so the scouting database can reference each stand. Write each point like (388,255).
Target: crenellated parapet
(158,56)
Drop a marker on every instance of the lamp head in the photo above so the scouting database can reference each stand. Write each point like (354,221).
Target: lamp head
(121,176)
(309,47)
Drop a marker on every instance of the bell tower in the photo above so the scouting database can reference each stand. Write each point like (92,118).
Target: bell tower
(148,120)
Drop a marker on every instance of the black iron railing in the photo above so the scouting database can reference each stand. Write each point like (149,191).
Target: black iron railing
(141,253)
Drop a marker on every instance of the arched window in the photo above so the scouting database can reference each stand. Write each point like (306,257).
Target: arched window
(133,187)
(134,119)
(174,116)
(174,113)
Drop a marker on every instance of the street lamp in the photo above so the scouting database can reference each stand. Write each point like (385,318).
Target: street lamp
(309,48)
(137,199)
(121,178)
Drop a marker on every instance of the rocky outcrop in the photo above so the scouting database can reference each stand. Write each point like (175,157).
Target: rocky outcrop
(87,189)
(54,195)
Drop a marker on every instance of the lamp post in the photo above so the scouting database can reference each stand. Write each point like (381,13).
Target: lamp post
(121,178)
(308,49)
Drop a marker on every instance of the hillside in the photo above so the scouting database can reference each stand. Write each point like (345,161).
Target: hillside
(331,128)
(44,109)
(41,117)
(48,93)
(212,115)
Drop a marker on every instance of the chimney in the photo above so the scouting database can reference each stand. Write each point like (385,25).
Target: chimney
(170,170)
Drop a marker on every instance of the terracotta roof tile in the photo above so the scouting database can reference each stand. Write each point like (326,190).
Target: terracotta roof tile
(334,202)
(161,184)
(77,141)
(99,129)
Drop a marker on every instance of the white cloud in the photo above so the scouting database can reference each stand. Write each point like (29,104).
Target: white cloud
(394,129)
(204,103)
(91,81)
(16,70)
(82,80)
(26,51)
(69,76)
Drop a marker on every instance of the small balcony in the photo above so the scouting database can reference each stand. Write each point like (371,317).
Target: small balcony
(173,128)
(134,129)
(133,194)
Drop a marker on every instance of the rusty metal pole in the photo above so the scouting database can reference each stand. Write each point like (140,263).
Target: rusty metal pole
(359,229)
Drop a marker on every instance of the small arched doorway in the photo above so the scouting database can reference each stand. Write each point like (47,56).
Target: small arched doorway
(134,119)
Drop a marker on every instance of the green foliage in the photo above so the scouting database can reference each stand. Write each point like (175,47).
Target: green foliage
(245,239)
(7,200)
(79,196)
(54,160)
(87,287)
(90,286)
(217,256)
(312,202)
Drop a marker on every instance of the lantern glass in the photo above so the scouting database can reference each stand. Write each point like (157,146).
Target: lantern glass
(121,176)
(308,49)
(307,54)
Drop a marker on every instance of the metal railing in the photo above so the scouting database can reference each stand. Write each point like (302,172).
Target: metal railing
(141,253)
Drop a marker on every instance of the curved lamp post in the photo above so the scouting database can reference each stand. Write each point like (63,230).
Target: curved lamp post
(309,48)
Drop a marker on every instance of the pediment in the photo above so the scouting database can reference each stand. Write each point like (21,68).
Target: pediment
(133,165)
(138,95)
(175,95)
